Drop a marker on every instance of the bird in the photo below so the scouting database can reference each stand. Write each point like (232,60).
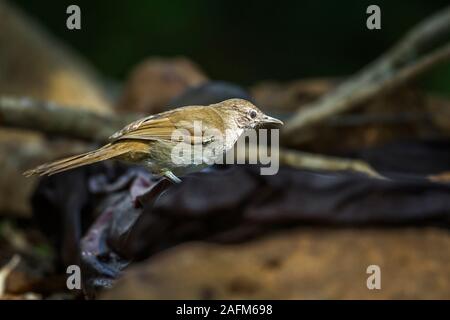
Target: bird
(150,141)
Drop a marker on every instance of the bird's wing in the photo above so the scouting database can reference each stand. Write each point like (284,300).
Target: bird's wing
(146,129)
(162,127)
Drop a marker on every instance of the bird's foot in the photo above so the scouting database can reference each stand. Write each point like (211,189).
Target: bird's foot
(169,175)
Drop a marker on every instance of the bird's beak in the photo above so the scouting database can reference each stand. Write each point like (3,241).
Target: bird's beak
(271,120)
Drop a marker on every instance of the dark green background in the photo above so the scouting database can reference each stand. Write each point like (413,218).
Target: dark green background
(243,41)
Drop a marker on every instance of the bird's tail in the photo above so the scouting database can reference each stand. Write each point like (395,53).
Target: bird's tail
(106,152)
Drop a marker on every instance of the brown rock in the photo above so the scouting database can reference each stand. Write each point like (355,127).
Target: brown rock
(155,81)
(288,97)
(36,65)
(302,264)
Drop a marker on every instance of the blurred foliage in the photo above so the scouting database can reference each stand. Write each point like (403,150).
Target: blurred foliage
(241,41)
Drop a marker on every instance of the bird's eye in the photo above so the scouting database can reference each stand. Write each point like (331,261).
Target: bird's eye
(252,114)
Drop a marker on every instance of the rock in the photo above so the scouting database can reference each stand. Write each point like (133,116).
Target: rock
(154,82)
(301,264)
(288,97)
(52,72)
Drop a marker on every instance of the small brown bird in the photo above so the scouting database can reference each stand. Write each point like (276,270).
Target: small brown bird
(155,141)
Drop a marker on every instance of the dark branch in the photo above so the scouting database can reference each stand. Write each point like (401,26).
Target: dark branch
(402,63)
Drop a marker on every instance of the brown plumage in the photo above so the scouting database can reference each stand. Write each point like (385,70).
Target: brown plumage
(106,152)
(149,141)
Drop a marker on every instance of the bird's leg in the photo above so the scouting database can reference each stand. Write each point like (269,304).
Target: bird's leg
(169,175)
(150,196)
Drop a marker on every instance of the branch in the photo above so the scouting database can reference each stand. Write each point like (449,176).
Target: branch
(305,160)
(311,161)
(51,118)
(400,64)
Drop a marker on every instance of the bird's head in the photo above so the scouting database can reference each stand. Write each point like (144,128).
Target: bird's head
(245,114)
